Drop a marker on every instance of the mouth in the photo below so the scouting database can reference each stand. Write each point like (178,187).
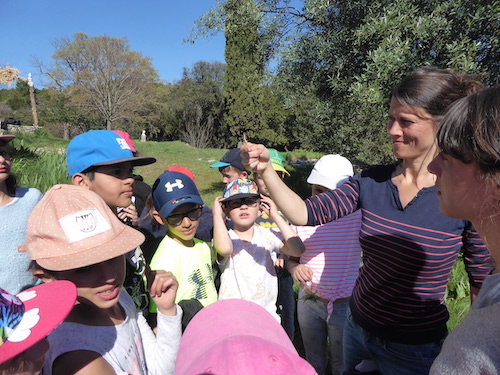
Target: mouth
(128,193)
(110,293)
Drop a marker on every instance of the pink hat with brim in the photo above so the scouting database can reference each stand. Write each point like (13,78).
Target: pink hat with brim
(235,336)
(5,138)
(31,315)
(72,227)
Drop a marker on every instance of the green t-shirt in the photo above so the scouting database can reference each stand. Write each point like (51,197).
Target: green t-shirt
(192,266)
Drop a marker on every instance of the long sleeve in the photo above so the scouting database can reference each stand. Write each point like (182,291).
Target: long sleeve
(161,350)
(477,259)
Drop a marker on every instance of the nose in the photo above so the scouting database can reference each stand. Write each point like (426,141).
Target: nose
(393,128)
(108,272)
(433,166)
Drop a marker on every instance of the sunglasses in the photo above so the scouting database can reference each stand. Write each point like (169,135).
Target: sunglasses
(193,215)
(237,203)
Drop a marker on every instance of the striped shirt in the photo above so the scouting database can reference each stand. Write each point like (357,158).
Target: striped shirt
(408,254)
(333,254)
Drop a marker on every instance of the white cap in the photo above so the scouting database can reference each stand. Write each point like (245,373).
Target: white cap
(331,171)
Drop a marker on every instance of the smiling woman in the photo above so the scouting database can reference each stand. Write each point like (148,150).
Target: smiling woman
(409,246)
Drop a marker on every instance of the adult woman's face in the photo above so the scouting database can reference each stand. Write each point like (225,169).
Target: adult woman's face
(462,192)
(5,163)
(412,131)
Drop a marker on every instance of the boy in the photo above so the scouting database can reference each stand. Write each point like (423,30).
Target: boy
(286,296)
(101,161)
(178,205)
(249,251)
(231,167)
(73,235)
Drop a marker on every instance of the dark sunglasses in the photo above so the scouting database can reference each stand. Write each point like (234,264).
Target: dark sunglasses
(236,203)
(193,215)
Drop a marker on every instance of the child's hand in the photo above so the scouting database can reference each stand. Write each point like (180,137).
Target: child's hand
(268,207)
(217,207)
(163,290)
(302,273)
(129,215)
(280,262)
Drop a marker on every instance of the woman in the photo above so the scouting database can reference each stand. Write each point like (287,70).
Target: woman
(397,313)
(468,183)
(15,206)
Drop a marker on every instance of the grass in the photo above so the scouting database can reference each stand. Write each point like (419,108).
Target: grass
(39,161)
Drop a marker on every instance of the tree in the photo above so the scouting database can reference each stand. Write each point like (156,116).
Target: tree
(349,57)
(101,75)
(336,61)
(195,106)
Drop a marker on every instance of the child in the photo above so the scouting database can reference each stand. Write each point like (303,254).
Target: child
(249,251)
(72,235)
(178,205)
(25,320)
(102,161)
(231,167)
(240,338)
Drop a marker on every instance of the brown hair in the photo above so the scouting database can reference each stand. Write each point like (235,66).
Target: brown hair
(434,89)
(470,131)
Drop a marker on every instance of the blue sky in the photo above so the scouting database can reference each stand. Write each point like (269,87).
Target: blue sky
(154,28)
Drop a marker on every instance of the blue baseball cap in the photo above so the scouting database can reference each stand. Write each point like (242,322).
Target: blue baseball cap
(232,157)
(100,147)
(171,189)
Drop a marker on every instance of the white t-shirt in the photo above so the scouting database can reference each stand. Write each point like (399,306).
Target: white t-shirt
(249,272)
(130,347)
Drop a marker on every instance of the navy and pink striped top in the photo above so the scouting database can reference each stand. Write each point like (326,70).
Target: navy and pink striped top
(408,254)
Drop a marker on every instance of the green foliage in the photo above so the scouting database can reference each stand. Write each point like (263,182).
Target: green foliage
(41,169)
(457,294)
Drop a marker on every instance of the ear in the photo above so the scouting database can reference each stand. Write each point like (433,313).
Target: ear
(244,175)
(42,276)
(79,179)
(158,217)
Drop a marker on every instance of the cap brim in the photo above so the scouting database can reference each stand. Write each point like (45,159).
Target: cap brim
(46,306)
(136,161)
(6,138)
(280,169)
(239,196)
(126,240)
(168,208)
(220,164)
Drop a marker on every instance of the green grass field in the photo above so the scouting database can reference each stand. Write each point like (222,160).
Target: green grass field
(39,161)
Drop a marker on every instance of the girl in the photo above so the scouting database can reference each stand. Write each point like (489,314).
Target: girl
(73,235)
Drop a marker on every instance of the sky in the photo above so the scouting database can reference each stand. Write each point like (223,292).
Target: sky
(155,28)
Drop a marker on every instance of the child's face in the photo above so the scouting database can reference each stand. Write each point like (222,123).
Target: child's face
(243,212)
(230,173)
(114,184)
(183,222)
(99,284)
(5,163)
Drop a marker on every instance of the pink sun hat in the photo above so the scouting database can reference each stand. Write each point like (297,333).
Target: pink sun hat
(29,316)
(236,336)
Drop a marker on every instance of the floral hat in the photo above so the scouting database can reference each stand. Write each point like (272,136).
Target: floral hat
(29,316)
